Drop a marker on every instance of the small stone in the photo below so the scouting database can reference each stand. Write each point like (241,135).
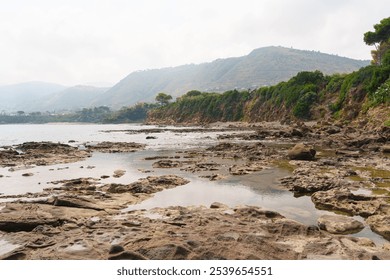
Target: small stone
(119,173)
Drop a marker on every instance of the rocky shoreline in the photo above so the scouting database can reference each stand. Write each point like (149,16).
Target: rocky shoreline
(342,168)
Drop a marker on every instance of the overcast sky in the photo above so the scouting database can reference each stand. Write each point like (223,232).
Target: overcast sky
(101,41)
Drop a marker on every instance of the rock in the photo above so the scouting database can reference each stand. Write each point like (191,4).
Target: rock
(127,255)
(347,153)
(166,252)
(385,149)
(40,154)
(27,174)
(380,224)
(119,173)
(115,147)
(76,202)
(148,185)
(333,129)
(344,200)
(151,137)
(339,224)
(17,217)
(115,249)
(216,205)
(245,169)
(301,152)
(167,164)
(257,212)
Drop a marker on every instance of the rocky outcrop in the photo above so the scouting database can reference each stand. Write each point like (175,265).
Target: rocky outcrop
(339,224)
(40,153)
(301,152)
(380,224)
(189,233)
(344,200)
(148,185)
(115,147)
(167,163)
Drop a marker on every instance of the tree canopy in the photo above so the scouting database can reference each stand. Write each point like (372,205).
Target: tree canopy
(381,39)
(163,98)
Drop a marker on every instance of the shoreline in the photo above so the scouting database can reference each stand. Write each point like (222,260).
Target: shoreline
(349,173)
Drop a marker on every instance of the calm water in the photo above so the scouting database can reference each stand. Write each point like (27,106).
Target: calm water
(259,189)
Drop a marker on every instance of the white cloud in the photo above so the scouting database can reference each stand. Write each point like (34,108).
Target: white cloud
(78,41)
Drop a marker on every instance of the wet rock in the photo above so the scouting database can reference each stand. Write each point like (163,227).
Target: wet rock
(40,153)
(339,224)
(115,147)
(256,212)
(380,224)
(301,152)
(202,166)
(119,173)
(167,164)
(217,205)
(344,200)
(246,169)
(148,185)
(76,202)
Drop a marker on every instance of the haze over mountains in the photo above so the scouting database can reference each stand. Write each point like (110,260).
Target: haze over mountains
(263,66)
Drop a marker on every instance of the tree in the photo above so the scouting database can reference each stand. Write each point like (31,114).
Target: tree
(192,93)
(380,38)
(163,98)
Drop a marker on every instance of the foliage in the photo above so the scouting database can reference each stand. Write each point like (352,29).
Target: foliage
(163,98)
(381,95)
(381,34)
(302,107)
(381,39)
(136,113)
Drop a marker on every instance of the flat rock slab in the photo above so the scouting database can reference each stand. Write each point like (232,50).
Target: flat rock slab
(339,224)
(344,200)
(115,147)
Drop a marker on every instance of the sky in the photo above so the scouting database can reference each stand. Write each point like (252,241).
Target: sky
(99,42)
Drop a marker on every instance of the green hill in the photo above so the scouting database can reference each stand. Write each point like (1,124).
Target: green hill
(263,66)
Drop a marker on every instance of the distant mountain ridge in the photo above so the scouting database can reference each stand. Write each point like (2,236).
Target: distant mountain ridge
(263,66)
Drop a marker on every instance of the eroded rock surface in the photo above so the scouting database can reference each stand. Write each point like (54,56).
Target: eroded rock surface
(339,224)
(40,153)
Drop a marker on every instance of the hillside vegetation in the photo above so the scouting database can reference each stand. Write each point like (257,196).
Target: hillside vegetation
(307,96)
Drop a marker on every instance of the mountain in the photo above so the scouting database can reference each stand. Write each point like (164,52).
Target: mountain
(70,99)
(263,66)
(21,96)
(40,96)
